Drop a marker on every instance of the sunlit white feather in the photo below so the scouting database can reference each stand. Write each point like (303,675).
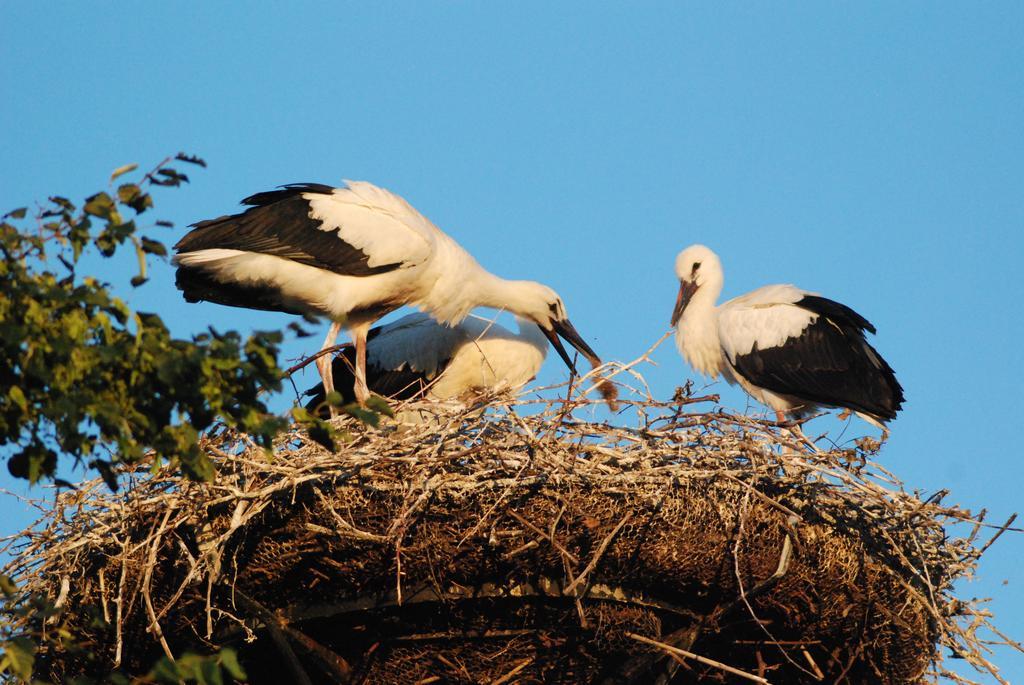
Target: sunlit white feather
(473,355)
(765,317)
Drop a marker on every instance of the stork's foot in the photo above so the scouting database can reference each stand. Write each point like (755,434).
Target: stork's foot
(795,428)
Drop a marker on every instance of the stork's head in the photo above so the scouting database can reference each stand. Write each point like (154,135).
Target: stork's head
(697,267)
(542,305)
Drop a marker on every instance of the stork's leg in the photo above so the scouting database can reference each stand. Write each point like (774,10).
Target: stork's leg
(795,430)
(323,363)
(359,340)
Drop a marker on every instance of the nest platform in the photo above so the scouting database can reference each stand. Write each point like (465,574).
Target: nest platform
(516,542)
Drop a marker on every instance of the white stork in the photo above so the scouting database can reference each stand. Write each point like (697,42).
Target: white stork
(790,349)
(353,254)
(416,356)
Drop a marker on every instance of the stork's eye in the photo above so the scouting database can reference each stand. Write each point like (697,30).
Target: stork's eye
(696,265)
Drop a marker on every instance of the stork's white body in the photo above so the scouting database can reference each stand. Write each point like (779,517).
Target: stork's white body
(789,348)
(711,338)
(475,355)
(353,254)
(435,274)
(416,355)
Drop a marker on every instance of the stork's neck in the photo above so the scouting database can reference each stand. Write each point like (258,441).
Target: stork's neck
(500,293)
(704,298)
(697,331)
(464,285)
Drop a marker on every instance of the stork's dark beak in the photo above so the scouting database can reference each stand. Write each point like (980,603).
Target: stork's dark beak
(686,291)
(568,331)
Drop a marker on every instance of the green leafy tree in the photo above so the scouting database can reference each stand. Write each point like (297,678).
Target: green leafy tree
(85,378)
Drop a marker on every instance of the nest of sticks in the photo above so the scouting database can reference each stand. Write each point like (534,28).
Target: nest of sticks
(520,541)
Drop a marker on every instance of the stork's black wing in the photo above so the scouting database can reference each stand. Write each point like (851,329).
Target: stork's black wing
(399,384)
(279,223)
(829,363)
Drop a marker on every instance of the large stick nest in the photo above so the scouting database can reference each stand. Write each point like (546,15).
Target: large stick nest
(518,543)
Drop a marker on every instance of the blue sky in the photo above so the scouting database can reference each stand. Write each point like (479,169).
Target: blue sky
(869,151)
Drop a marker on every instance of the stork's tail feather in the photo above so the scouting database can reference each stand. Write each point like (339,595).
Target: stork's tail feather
(197,285)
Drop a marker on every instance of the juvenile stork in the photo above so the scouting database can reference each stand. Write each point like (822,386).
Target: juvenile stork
(416,356)
(790,349)
(352,254)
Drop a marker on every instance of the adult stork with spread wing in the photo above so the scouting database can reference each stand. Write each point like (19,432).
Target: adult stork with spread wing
(353,254)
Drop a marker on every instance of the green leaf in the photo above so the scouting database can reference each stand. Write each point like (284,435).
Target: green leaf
(62,202)
(199,467)
(172,178)
(122,170)
(370,418)
(7,585)
(322,433)
(18,397)
(191,159)
(204,670)
(133,196)
(298,330)
(33,462)
(18,213)
(166,671)
(229,660)
(19,654)
(380,405)
(208,672)
(99,205)
(153,247)
(127,192)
